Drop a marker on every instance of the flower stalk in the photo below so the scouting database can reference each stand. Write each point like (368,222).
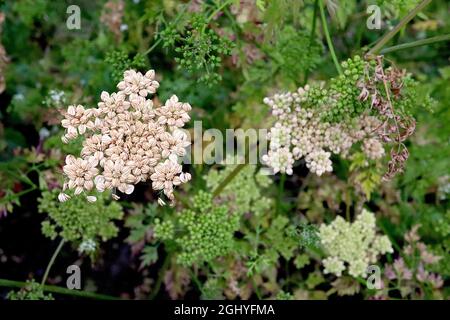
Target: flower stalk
(52,261)
(58,290)
(327,36)
(418,43)
(388,36)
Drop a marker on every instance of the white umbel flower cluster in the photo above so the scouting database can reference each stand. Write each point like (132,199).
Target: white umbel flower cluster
(128,139)
(352,245)
(299,133)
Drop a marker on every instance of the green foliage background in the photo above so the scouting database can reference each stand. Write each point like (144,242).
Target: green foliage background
(259,237)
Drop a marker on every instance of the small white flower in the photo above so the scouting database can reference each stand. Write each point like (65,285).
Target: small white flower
(63,197)
(91,198)
(128,139)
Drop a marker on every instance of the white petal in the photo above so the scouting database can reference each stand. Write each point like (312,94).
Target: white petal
(81,128)
(129,189)
(173,157)
(91,198)
(62,197)
(71,110)
(78,190)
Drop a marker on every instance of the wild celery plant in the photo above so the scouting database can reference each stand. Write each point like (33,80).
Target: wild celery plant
(361,132)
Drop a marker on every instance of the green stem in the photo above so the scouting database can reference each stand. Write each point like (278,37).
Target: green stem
(233,173)
(388,36)
(52,261)
(311,36)
(327,36)
(258,232)
(161,274)
(59,290)
(445,37)
(152,47)
(255,287)
(197,282)
(347,205)
(180,14)
(228,179)
(280,191)
(212,15)
(215,12)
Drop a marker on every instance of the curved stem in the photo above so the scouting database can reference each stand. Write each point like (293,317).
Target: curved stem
(388,36)
(59,290)
(327,36)
(52,261)
(445,37)
(161,274)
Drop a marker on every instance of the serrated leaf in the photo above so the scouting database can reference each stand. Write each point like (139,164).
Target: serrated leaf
(149,256)
(346,286)
(261,5)
(301,261)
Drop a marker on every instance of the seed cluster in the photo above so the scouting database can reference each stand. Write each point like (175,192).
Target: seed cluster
(199,48)
(128,139)
(209,231)
(203,232)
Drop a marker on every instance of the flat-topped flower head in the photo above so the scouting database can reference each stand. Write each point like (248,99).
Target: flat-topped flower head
(167,175)
(352,245)
(135,82)
(174,113)
(128,139)
(301,132)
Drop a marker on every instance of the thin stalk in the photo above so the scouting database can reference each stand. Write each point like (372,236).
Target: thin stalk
(215,12)
(52,261)
(418,43)
(258,232)
(255,287)
(280,191)
(388,36)
(197,282)
(233,173)
(312,36)
(59,290)
(228,179)
(180,14)
(347,205)
(161,274)
(212,15)
(327,36)
(153,47)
